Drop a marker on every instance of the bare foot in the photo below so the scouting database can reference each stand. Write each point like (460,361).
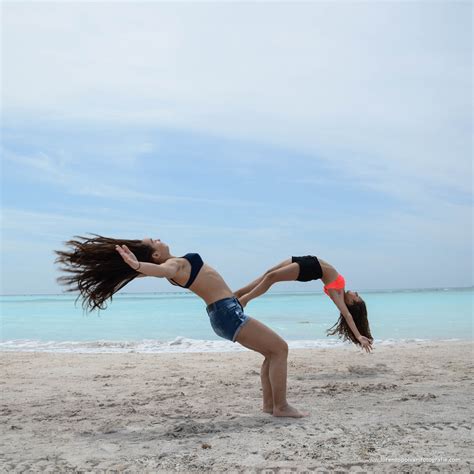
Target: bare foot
(288,410)
(268,409)
(243,301)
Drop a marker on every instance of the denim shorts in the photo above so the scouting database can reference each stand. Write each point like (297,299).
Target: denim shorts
(227,317)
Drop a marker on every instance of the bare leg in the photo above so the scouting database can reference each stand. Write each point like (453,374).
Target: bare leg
(251,286)
(260,338)
(265,379)
(266,387)
(288,273)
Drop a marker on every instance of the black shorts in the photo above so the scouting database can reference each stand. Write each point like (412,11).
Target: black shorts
(310,268)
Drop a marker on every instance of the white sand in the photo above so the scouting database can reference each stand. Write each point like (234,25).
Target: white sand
(403,408)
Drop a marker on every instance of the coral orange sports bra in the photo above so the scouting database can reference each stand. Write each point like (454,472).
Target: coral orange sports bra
(338,284)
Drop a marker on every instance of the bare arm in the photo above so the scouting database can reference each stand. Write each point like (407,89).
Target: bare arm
(338,298)
(165,270)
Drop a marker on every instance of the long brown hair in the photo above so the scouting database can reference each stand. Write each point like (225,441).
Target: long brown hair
(96,269)
(359,315)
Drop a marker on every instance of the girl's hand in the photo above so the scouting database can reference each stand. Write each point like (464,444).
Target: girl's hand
(128,256)
(365,343)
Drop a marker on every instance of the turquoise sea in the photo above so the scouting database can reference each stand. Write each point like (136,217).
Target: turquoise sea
(164,322)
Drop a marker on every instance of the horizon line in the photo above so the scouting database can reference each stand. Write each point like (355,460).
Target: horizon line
(368,290)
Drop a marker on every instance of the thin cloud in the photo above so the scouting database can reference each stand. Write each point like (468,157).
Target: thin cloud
(331,78)
(47,168)
(367,103)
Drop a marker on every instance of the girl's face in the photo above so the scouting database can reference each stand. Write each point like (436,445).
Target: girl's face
(351,297)
(160,249)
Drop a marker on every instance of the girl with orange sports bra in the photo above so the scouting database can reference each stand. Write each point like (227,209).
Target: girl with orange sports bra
(352,325)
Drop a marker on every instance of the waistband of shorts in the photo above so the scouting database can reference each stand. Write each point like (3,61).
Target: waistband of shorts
(222,303)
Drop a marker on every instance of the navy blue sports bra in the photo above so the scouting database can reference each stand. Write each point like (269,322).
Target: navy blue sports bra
(196,264)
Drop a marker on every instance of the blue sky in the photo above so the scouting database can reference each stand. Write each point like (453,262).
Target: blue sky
(245,132)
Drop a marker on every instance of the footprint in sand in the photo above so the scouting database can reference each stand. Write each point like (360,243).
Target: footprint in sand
(439,426)
(378,387)
(424,397)
(355,387)
(368,371)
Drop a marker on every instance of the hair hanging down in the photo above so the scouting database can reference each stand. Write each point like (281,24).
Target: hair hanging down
(359,315)
(96,269)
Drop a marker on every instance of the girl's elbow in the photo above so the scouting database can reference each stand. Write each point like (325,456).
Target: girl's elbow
(169,274)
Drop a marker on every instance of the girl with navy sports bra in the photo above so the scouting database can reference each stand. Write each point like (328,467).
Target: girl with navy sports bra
(98,267)
(352,324)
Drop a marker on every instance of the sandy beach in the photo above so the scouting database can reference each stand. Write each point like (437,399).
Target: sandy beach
(402,408)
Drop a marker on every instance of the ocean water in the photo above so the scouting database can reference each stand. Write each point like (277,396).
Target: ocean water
(178,322)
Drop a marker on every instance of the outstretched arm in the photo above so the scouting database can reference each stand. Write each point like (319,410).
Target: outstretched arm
(165,270)
(338,298)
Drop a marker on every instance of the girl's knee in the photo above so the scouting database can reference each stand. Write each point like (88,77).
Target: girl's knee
(280,349)
(271,277)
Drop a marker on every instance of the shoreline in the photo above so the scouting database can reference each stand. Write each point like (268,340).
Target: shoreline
(399,407)
(183,345)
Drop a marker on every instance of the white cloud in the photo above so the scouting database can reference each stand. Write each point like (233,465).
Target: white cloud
(358,83)
(381,91)
(51,169)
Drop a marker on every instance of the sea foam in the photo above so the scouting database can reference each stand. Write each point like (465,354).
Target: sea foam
(179,344)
